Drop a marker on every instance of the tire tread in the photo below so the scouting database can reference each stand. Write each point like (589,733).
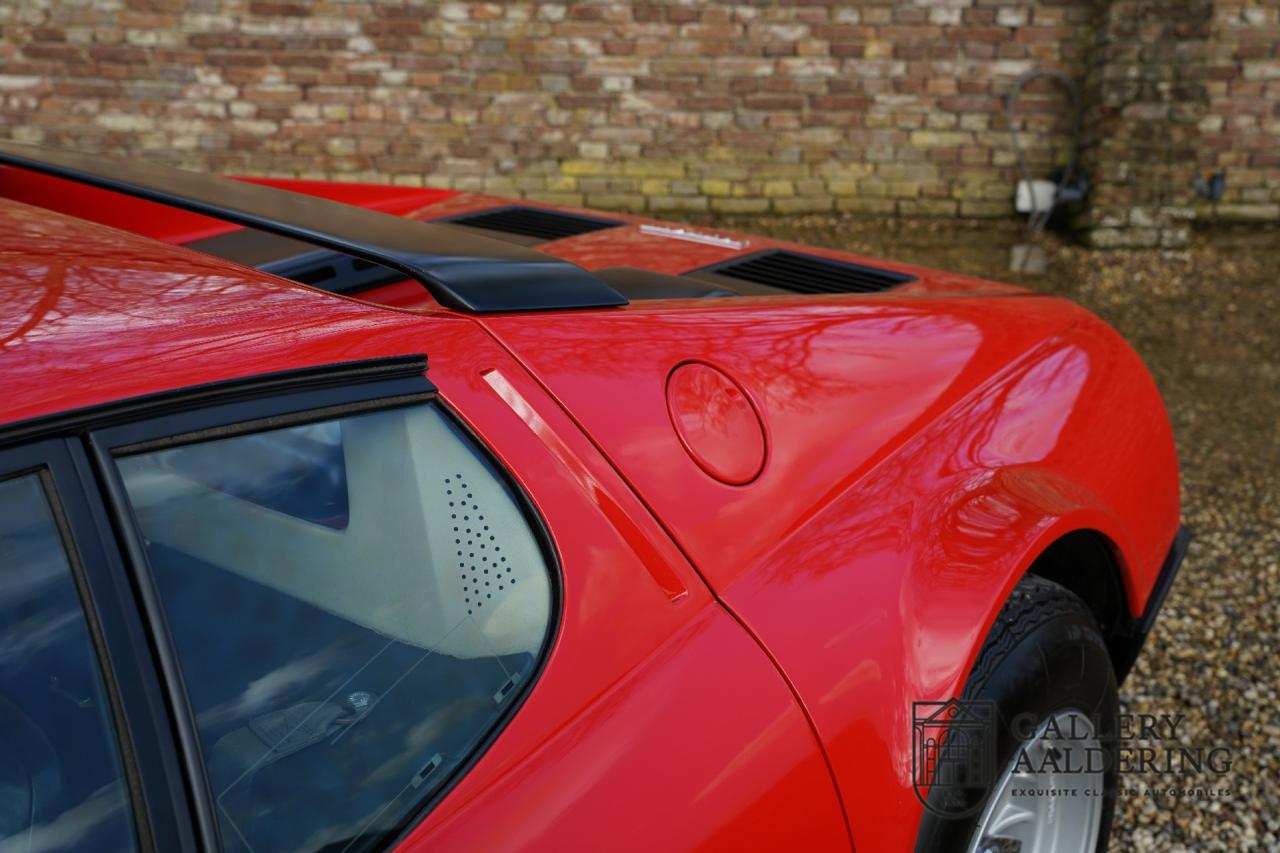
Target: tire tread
(1033,602)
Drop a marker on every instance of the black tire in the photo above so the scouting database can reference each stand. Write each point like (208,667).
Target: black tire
(1044,654)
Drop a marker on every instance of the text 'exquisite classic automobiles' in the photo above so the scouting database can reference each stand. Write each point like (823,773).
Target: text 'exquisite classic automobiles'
(346,517)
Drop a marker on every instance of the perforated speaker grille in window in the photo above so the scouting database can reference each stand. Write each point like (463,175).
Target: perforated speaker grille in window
(482,566)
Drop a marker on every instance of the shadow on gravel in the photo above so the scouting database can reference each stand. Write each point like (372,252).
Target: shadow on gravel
(1207,322)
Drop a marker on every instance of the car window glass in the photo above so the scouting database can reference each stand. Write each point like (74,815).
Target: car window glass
(300,472)
(340,665)
(61,782)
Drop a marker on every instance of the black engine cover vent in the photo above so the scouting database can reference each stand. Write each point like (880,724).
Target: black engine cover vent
(538,224)
(798,273)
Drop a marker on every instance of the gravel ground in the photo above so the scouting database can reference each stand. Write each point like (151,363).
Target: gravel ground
(1207,322)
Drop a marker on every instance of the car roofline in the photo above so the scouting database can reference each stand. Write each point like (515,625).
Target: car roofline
(252,386)
(461,270)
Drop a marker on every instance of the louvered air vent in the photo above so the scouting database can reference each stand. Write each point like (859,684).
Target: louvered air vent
(534,222)
(809,274)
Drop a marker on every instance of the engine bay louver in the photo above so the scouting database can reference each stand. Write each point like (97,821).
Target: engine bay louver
(541,224)
(801,273)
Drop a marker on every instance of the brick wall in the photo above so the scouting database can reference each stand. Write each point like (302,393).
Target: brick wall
(668,105)
(1179,89)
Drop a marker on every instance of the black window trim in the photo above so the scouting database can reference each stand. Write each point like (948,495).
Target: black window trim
(242,389)
(157,796)
(251,405)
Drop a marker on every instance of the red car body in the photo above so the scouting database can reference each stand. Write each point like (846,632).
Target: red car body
(740,638)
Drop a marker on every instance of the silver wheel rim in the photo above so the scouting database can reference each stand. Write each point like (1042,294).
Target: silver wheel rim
(1051,800)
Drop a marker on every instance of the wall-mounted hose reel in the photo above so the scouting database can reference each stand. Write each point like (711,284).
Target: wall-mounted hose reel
(1039,198)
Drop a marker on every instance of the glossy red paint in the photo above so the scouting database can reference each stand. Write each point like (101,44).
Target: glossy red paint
(92,315)
(716,422)
(736,657)
(923,451)
(626,742)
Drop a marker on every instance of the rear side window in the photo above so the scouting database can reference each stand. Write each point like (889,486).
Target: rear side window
(61,782)
(355,604)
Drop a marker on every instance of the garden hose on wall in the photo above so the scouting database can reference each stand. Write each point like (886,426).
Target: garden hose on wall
(1071,186)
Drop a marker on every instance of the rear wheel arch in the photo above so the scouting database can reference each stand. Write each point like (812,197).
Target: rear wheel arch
(1088,563)
(1041,660)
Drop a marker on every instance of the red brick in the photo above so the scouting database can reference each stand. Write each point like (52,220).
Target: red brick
(668,81)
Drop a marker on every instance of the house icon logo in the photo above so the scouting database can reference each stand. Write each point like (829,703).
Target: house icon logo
(953,752)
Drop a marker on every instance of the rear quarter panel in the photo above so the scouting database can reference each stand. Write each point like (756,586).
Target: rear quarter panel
(921,453)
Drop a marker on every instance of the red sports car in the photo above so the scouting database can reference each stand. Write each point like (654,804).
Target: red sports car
(342,517)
